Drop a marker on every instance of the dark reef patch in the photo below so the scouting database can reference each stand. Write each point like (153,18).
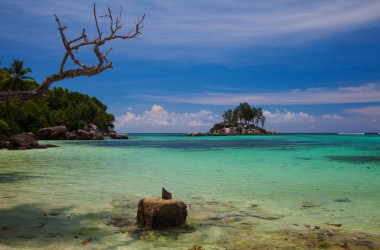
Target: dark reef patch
(355,159)
(15,177)
(199,144)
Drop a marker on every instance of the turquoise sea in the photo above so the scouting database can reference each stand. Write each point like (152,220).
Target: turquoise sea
(296,191)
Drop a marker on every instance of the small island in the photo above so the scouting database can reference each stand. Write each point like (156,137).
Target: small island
(242,120)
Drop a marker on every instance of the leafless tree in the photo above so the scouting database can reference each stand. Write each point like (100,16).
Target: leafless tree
(71,47)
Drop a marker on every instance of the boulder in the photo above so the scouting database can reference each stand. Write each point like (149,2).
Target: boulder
(116,136)
(197,134)
(156,213)
(52,133)
(96,135)
(4,143)
(23,141)
(83,135)
(30,134)
(71,136)
(92,128)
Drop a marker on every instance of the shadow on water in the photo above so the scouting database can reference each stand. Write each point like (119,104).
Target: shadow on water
(355,159)
(15,177)
(34,226)
(213,144)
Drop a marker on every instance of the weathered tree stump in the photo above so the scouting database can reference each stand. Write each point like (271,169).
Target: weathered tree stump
(156,213)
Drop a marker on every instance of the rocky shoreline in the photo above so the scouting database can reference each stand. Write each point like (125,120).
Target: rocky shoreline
(90,132)
(235,130)
(29,140)
(22,142)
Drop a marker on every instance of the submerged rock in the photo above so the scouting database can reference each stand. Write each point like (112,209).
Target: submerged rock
(155,213)
(342,200)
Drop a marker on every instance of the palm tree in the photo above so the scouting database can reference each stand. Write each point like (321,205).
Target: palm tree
(18,79)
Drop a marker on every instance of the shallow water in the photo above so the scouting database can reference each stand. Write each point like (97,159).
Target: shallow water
(242,192)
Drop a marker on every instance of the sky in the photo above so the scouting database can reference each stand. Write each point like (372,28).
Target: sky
(312,66)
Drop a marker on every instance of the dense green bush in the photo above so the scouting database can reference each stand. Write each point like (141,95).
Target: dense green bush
(217,126)
(3,127)
(60,106)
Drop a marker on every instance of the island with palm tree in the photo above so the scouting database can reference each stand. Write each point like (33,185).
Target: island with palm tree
(242,120)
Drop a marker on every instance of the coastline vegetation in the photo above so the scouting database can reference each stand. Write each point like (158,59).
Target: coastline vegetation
(59,106)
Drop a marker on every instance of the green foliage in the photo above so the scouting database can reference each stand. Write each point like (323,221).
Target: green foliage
(4,128)
(230,117)
(217,126)
(15,78)
(60,107)
(243,114)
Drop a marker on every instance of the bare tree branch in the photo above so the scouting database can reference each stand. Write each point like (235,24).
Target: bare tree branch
(73,46)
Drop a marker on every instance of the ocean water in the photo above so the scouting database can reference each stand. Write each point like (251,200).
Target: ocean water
(243,192)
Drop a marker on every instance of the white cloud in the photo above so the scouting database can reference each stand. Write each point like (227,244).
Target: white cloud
(158,119)
(359,94)
(286,116)
(373,111)
(332,117)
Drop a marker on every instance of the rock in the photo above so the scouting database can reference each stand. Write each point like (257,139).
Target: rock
(23,141)
(342,200)
(227,129)
(83,135)
(197,134)
(41,146)
(52,133)
(90,132)
(166,195)
(4,143)
(31,135)
(155,213)
(71,136)
(116,136)
(91,128)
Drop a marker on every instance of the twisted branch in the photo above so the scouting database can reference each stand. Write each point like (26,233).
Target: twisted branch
(73,46)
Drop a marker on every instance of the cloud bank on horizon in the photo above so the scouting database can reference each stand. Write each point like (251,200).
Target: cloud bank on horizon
(159,120)
(313,66)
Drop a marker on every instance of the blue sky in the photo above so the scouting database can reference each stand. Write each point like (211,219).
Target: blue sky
(313,66)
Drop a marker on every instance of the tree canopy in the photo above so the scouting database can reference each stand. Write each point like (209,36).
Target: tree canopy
(242,115)
(59,107)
